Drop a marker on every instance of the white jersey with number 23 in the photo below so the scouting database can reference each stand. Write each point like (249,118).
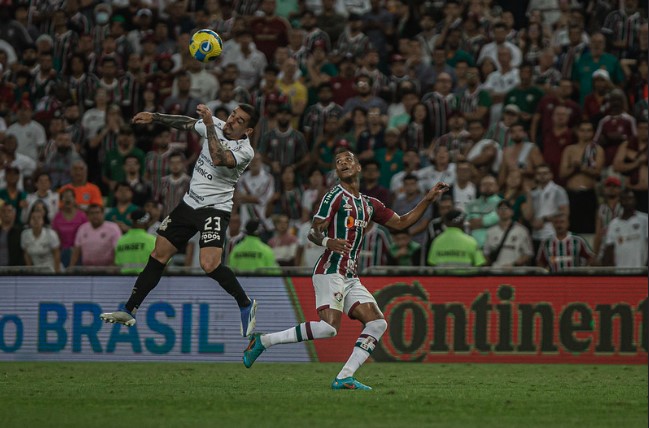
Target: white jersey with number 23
(213,186)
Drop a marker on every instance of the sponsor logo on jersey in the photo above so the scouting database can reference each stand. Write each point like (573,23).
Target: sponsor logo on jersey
(338,296)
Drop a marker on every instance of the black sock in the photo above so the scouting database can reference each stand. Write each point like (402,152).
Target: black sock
(228,280)
(146,281)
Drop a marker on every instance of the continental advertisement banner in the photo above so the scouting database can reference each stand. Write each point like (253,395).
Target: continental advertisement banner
(499,320)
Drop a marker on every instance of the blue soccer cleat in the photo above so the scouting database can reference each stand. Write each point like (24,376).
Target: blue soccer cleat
(253,351)
(349,383)
(248,320)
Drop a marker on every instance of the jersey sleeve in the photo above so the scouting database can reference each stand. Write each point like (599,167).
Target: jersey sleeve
(200,127)
(328,206)
(381,213)
(243,154)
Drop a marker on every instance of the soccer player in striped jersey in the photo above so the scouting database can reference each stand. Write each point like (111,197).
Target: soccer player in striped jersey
(339,226)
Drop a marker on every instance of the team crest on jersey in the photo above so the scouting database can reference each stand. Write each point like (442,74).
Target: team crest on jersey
(346,205)
(338,296)
(165,223)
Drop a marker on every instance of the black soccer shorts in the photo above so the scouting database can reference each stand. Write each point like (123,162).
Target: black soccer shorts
(184,221)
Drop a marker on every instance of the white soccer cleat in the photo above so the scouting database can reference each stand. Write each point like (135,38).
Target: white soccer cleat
(120,317)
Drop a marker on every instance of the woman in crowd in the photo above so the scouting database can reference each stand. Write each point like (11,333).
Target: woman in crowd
(66,223)
(40,244)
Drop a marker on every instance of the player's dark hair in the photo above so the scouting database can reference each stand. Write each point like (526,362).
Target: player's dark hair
(252,112)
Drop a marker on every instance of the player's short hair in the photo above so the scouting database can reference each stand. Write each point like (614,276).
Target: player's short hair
(252,112)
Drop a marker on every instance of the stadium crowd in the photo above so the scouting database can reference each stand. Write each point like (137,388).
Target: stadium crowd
(535,112)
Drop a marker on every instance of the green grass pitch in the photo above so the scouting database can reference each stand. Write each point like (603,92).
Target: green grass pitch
(298,395)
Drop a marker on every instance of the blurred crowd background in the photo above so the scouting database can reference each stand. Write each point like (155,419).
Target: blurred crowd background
(534,111)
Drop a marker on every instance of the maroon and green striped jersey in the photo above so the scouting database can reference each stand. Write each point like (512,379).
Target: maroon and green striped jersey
(559,254)
(348,217)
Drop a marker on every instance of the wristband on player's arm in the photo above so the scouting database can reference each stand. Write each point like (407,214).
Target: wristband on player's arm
(324,241)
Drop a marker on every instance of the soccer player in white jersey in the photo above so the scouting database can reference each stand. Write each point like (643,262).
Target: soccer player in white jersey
(339,225)
(205,207)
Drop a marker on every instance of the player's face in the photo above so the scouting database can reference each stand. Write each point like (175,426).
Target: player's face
(347,166)
(237,125)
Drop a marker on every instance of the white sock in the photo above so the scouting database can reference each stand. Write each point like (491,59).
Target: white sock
(365,344)
(306,331)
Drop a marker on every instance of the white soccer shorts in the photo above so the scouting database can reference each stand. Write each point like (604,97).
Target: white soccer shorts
(338,292)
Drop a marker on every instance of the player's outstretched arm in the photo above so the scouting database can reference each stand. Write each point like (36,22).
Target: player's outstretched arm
(220,154)
(317,236)
(405,221)
(174,121)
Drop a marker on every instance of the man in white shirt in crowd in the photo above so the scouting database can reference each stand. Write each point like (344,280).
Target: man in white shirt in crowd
(254,190)
(490,50)
(463,191)
(30,135)
(500,82)
(548,200)
(508,243)
(627,236)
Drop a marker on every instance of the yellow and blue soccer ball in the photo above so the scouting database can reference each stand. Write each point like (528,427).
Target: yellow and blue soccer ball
(206,45)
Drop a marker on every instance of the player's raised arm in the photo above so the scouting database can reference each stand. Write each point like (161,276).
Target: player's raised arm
(318,237)
(405,221)
(220,154)
(174,121)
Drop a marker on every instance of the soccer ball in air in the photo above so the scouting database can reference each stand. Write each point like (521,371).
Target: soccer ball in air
(206,45)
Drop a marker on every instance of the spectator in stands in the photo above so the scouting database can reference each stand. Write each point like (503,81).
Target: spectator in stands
(500,82)
(407,201)
(66,222)
(370,183)
(343,84)
(10,194)
(521,154)
(86,193)
(563,250)
(609,209)
(492,50)
(314,116)
(508,243)
(284,146)
(463,190)
(485,154)
(440,102)
(615,128)
(283,243)
(40,244)
(404,250)
(183,102)
(226,97)
(135,246)
(474,101)
(156,162)
(596,58)
(557,138)
(253,193)
(548,200)
(174,185)
(631,161)
(515,192)
(627,236)
(390,157)
(95,118)
(270,31)
(10,237)
(113,165)
(410,166)
(375,248)
(287,199)
(249,60)
(364,98)
(26,165)
(453,247)
(120,214)
(499,131)
(95,241)
(43,194)
(481,213)
(442,169)
(59,162)
(352,41)
(132,175)
(581,167)
(30,135)
(330,20)
(525,95)
(292,87)
(251,253)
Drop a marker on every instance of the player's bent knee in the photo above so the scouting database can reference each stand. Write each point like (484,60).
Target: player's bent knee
(209,265)
(328,329)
